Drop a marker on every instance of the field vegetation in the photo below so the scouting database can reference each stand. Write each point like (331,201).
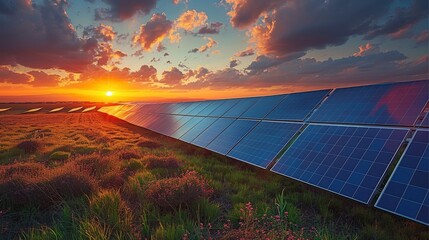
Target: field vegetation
(91,176)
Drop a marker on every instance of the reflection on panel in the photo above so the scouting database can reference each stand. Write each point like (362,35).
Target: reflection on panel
(212,131)
(390,104)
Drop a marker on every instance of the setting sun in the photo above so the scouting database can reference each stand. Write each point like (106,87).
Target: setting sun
(109,93)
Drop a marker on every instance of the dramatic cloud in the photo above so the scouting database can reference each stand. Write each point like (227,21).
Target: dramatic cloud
(172,77)
(245,12)
(289,29)
(145,74)
(153,32)
(212,28)
(124,9)
(191,19)
(312,74)
(233,63)
(262,62)
(105,54)
(403,19)
(246,52)
(102,32)
(40,36)
(9,76)
(42,79)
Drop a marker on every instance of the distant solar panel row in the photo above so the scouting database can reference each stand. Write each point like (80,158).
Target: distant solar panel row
(345,146)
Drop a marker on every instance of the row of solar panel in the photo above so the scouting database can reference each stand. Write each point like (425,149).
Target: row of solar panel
(347,160)
(396,104)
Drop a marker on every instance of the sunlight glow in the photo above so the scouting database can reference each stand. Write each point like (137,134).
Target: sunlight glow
(109,93)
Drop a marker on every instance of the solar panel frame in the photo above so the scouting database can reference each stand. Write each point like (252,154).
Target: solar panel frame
(255,149)
(393,104)
(353,164)
(399,182)
(229,137)
(297,106)
(425,122)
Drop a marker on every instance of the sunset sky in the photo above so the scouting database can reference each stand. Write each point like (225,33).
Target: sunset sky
(172,50)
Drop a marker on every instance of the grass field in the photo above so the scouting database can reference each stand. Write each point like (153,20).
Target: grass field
(91,176)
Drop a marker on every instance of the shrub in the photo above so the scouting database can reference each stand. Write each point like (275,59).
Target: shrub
(30,146)
(96,164)
(176,191)
(152,162)
(44,192)
(128,154)
(59,156)
(149,144)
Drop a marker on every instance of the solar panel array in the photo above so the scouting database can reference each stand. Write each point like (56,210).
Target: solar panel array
(342,140)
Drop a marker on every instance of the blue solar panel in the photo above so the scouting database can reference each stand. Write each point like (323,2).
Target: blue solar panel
(186,126)
(231,136)
(240,107)
(190,108)
(390,104)
(262,107)
(407,191)
(212,105)
(297,106)
(168,125)
(264,142)
(197,129)
(223,107)
(349,161)
(199,107)
(212,131)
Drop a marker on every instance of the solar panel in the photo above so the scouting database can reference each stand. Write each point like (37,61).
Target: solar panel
(186,127)
(167,124)
(425,122)
(264,142)
(262,107)
(225,141)
(191,107)
(240,107)
(390,104)
(223,107)
(212,131)
(297,106)
(198,108)
(197,129)
(212,105)
(407,191)
(349,161)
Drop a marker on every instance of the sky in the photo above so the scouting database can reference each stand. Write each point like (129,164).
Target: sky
(180,50)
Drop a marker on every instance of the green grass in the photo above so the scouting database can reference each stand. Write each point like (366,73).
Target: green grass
(98,189)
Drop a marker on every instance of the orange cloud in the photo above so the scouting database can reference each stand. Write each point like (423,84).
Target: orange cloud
(191,19)
(211,43)
(153,32)
(363,49)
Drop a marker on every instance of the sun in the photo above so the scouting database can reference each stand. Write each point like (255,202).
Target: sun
(109,93)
